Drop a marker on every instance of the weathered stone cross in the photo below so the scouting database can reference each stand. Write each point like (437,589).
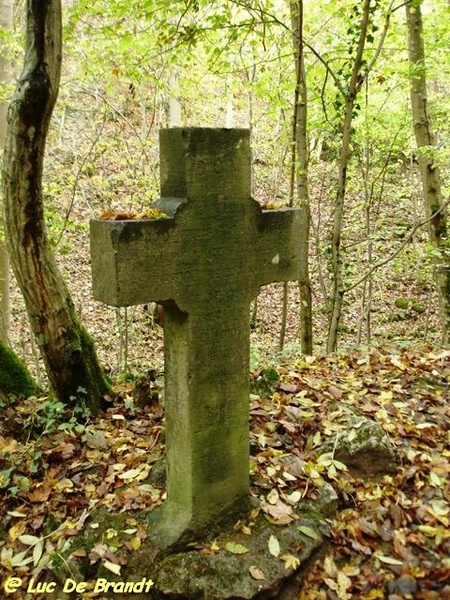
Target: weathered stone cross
(204,265)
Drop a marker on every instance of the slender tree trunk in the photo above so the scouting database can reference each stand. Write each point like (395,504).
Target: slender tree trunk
(174,101)
(67,349)
(6,12)
(337,263)
(301,172)
(431,181)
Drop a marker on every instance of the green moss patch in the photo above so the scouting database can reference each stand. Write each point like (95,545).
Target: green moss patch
(14,376)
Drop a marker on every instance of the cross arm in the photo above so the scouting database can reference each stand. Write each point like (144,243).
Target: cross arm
(133,262)
(277,253)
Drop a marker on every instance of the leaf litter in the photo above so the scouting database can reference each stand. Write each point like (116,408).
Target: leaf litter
(390,537)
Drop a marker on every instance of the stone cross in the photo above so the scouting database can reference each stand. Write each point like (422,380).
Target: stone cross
(204,265)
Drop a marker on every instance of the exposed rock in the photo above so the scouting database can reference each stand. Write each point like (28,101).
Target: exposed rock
(222,575)
(324,507)
(364,448)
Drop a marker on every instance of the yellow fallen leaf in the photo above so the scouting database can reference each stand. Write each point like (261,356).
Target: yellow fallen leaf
(114,568)
(440,508)
(130,474)
(395,360)
(434,479)
(135,543)
(273,496)
(290,561)
(330,566)
(64,485)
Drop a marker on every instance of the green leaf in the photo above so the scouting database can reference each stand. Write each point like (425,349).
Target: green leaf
(21,559)
(235,548)
(309,532)
(5,477)
(389,560)
(29,540)
(274,546)
(38,550)
(434,479)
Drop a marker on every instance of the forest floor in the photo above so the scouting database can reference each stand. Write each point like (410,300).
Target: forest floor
(390,537)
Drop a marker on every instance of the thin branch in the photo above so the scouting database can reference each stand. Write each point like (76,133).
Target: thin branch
(327,67)
(379,46)
(356,80)
(401,5)
(77,179)
(406,241)
(262,12)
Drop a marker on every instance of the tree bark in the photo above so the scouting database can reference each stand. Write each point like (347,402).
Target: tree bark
(6,12)
(301,164)
(354,87)
(68,351)
(431,180)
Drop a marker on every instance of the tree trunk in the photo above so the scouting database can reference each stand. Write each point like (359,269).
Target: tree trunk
(6,10)
(14,376)
(174,101)
(431,181)
(354,87)
(68,351)
(301,147)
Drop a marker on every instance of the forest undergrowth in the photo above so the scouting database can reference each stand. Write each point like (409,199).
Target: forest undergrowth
(390,536)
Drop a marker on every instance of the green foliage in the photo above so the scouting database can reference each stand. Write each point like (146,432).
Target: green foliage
(264,381)
(36,417)
(49,416)
(401,303)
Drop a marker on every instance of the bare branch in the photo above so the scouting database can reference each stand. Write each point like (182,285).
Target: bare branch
(327,67)
(406,241)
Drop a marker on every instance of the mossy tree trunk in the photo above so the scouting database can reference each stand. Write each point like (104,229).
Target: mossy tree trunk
(14,376)
(69,355)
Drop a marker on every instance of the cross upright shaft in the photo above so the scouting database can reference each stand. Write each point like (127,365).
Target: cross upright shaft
(204,265)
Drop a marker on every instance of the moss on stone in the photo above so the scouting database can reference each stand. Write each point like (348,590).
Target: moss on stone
(64,565)
(14,376)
